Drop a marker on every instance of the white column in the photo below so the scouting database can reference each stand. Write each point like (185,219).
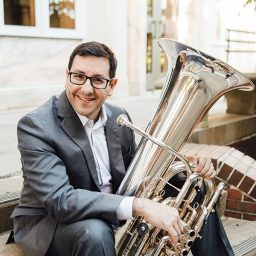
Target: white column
(119,36)
(137,31)
(107,23)
(197,23)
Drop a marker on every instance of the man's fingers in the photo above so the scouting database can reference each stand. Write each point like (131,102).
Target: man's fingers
(181,225)
(192,159)
(177,228)
(203,169)
(173,234)
(208,172)
(212,175)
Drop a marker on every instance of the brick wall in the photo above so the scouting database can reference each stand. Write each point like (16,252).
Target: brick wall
(239,205)
(238,171)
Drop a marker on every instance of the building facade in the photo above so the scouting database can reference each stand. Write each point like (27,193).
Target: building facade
(37,37)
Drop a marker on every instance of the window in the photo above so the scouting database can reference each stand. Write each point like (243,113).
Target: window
(62,14)
(19,12)
(149,53)
(150,8)
(43,18)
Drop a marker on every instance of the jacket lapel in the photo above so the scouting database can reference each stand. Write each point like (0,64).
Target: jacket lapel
(73,127)
(114,150)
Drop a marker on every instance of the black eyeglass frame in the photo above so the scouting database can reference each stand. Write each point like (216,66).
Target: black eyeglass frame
(89,77)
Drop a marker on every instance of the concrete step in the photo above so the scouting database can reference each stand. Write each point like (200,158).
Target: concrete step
(241,234)
(246,246)
(225,129)
(10,189)
(9,249)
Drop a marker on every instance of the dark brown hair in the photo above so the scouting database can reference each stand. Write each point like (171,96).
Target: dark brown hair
(98,50)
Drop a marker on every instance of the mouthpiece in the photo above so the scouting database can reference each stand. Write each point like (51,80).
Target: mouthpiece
(122,120)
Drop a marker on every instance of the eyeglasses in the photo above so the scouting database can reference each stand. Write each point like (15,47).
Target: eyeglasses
(96,82)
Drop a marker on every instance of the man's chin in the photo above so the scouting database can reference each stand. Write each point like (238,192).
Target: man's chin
(87,114)
(83,113)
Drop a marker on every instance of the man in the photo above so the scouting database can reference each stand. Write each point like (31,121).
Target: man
(74,157)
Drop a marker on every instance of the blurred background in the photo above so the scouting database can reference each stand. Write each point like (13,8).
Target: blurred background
(37,37)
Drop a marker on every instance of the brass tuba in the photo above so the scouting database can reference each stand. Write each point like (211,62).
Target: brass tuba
(194,82)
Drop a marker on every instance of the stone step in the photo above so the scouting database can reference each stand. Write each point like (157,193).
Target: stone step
(245,247)
(6,210)
(225,128)
(9,249)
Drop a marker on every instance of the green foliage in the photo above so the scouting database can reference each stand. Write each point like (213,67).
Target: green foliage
(253,2)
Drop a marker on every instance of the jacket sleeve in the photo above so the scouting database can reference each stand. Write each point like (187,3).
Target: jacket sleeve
(46,175)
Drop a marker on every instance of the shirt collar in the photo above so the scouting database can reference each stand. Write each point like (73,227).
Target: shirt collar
(90,123)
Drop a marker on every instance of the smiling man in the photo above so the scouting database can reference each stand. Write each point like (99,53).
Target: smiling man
(74,157)
(95,71)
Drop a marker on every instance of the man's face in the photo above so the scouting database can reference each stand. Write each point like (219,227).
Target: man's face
(85,99)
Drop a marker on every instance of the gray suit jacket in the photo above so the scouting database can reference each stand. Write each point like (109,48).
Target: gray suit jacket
(60,179)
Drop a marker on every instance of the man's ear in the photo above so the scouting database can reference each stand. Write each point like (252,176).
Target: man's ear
(66,82)
(113,84)
(67,72)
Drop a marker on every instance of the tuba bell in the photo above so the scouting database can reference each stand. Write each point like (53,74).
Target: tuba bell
(194,82)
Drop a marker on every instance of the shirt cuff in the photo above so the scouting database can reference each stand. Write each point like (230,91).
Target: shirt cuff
(124,210)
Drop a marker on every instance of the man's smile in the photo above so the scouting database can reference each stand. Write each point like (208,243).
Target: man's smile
(85,99)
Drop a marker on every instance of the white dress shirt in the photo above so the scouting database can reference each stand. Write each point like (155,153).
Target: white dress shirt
(97,139)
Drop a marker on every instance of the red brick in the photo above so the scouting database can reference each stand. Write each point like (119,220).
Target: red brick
(218,165)
(231,214)
(250,207)
(241,206)
(233,205)
(248,199)
(225,172)
(217,180)
(214,161)
(235,178)
(234,194)
(246,184)
(253,192)
(251,217)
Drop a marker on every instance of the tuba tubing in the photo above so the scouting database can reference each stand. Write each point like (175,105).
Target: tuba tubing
(194,82)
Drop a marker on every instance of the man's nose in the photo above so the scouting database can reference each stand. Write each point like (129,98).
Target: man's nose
(87,87)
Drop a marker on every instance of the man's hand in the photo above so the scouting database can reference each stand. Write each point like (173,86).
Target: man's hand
(160,216)
(203,165)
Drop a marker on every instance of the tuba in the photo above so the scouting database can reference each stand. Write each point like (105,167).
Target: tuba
(194,82)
